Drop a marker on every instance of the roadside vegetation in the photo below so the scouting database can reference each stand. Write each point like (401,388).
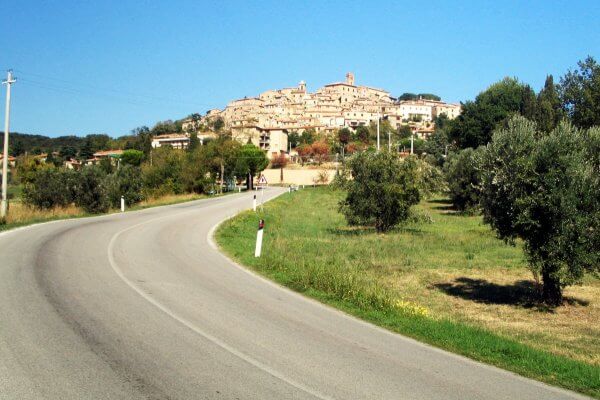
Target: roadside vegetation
(42,190)
(503,266)
(442,277)
(21,214)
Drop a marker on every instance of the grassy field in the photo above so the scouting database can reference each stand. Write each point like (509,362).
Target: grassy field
(442,278)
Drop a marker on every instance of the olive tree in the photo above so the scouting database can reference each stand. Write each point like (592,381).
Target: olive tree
(544,189)
(463,172)
(126,182)
(91,191)
(381,192)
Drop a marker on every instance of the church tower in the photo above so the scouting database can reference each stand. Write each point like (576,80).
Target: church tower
(350,78)
(302,86)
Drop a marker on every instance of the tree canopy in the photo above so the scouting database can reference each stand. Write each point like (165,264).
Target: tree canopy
(475,125)
(381,192)
(543,189)
(413,96)
(250,161)
(580,93)
(549,111)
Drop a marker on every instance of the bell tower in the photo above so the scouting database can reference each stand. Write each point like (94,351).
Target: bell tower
(302,86)
(350,78)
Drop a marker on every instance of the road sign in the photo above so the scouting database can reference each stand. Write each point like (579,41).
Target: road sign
(262,181)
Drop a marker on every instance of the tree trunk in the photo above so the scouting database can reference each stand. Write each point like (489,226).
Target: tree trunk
(552,292)
(249,182)
(281,175)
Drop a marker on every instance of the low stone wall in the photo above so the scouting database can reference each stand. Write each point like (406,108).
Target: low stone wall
(302,176)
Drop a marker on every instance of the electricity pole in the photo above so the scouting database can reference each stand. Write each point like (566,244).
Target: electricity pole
(378,117)
(4,206)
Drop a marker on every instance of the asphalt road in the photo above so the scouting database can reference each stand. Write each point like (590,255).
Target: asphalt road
(142,306)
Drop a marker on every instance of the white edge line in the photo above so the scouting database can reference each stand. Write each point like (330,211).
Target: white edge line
(193,327)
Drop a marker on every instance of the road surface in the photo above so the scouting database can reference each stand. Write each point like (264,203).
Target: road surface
(142,306)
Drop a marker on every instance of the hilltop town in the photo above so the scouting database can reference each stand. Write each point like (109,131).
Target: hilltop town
(266,120)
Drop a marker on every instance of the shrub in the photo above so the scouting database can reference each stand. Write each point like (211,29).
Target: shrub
(463,174)
(430,179)
(91,193)
(279,162)
(322,177)
(341,180)
(320,150)
(304,152)
(126,182)
(50,187)
(163,175)
(353,147)
(382,191)
(27,166)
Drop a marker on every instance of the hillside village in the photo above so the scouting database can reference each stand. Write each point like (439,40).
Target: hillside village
(268,119)
(207,200)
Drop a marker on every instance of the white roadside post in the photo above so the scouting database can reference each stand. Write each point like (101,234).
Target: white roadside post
(259,238)
(254,204)
(122,204)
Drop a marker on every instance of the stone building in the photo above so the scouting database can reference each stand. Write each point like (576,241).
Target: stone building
(267,119)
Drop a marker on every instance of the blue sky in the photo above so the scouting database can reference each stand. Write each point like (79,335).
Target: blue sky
(107,67)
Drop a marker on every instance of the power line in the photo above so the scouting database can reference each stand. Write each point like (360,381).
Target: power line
(91,90)
(55,88)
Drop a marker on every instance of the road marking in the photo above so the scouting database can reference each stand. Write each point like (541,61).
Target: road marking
(193,327)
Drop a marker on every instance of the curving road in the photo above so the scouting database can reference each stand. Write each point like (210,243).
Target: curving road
(142,306)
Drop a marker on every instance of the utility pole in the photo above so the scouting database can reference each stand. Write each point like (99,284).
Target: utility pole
(378,118)
(4,206)
(412,136)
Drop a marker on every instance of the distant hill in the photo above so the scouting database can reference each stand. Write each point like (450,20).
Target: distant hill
(21,143)
(82,146)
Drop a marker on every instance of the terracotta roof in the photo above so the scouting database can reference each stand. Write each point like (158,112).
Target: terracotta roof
(171,136)
(108,153)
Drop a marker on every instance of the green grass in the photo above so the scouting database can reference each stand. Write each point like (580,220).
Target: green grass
(394,281)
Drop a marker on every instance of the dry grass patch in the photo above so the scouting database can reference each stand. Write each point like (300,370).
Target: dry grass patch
(169,199)
(20,213)
(505,301)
